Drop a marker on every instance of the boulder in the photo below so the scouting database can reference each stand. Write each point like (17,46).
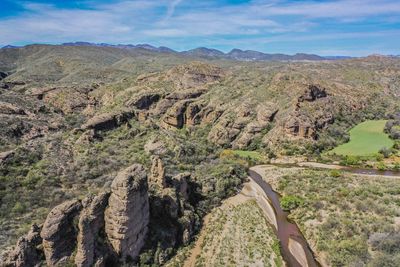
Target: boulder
(59,234)
(26,252)
(127,214)
(91,224)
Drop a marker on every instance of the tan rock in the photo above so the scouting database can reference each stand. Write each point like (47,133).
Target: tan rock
(144,100)
(175,116)
(25,253)
(108,121)
(155,147)
(91,222)
(58,233)
(157,172)
(127,214)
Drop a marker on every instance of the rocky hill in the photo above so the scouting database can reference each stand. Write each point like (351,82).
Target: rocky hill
(112,155)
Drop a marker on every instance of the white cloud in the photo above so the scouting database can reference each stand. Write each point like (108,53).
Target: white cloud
(176,21)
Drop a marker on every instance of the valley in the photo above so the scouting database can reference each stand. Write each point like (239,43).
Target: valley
(143,158)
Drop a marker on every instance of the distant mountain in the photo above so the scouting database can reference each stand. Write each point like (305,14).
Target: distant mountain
(9,46)
(337,57)
(162,49)
(251,55)
(204,52)
(209,53)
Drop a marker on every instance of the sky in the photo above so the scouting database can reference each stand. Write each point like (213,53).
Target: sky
(342,27)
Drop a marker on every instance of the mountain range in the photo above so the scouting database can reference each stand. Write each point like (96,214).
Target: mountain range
(210,53)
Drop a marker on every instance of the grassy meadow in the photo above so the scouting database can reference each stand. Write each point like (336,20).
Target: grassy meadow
(366,139)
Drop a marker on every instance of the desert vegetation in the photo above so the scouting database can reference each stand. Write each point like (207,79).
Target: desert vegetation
(348,219)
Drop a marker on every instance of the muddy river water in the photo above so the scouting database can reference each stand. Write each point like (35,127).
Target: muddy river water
(294,247)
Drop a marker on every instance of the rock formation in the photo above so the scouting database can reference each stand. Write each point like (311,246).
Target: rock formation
(157,172)
(25,253)
(91,224)
(143,101)
(58,233)
(127,215)
(181,185)
(108,121)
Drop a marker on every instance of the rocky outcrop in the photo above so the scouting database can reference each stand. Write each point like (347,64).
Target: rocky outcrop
(4,156)
(191,115)
(312,93)
(127,215)
(3,75)
(10,109)
(194,74)
(26,252)
(170,202)
(180,182)
(157,172)
(108,121)
(305,124)
(143,101)
(91,224)
(155,147)
(59,234)
(188,226)
(166,103)
(175,116)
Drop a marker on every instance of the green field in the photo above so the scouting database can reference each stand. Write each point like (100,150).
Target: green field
(366,139)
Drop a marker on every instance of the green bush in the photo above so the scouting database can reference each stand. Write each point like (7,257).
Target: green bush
(291,202)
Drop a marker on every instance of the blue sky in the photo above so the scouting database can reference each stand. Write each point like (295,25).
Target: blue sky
(343,27)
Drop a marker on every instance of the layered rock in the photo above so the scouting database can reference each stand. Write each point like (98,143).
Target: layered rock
(127,215)
(157,172)
(194,74)
(108,121)
(174,97)
(175,116)
(59,234)
(305,124)
(144,100)
(91,224)
(26,252)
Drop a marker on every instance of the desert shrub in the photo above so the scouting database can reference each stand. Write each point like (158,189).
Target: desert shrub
(290,202)
(335,173)
(350,160)
(386,152)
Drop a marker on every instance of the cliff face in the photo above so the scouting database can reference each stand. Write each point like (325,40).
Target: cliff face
(58,233)
(89,226)
(25,253)
(127,215)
